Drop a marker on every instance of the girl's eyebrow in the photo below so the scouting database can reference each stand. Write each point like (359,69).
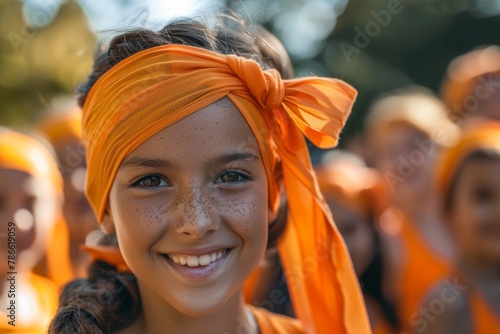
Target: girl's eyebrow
(146,162)
(223,159)
(231,157)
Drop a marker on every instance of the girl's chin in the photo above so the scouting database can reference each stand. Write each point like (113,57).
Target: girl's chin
(200,307)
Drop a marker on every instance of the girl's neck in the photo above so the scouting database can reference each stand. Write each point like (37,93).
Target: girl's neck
(232,317)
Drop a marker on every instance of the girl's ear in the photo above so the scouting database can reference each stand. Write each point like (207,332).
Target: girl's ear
(108,224)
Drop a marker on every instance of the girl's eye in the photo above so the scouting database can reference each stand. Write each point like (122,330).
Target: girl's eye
(482,195)
(152,181)
(231,177)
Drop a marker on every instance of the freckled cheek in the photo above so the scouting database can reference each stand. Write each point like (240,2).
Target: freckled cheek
(248,216)
(139,222)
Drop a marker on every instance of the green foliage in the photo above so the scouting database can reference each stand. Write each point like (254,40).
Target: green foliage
(40,63)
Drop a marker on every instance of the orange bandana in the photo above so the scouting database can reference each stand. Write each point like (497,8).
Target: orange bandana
(60,126)
(155,88)
(356,185)
(466,74)
(480,135)
(25,154)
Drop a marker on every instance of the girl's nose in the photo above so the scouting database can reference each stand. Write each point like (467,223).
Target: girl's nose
(198,215)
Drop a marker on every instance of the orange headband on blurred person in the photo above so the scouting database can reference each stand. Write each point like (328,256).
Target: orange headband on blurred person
(155,88)
(357,185)
(480,135)
(417,109)
(61,125)
(464,74)
(23,153)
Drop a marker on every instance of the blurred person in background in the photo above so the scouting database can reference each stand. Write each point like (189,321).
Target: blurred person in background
(405,130)
(62,128)
(469,186)
(355,195)
(471,86)
(31,198)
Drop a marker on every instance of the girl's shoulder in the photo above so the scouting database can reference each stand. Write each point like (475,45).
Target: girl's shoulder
(271,323)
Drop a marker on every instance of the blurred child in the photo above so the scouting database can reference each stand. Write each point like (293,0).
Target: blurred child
(404,132)
(471,86)
(469,184)
(30,204)
(63,130)
(355,194)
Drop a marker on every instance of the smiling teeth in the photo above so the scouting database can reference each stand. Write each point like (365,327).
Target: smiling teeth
(196,261)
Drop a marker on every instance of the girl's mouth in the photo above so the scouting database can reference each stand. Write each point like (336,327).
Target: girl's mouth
(197,261)
(198,267)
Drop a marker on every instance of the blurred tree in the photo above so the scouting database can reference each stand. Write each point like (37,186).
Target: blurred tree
(41,57)
(376,45)
(415,45)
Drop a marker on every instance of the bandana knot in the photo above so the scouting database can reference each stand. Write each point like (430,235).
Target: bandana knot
(270,91)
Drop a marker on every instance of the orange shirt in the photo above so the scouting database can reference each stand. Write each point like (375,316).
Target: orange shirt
(46,297)
(484,319)
(59,266)
(270,323)
(421,270)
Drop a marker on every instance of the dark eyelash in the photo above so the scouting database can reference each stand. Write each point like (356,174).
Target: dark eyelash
(137,184)
(245,177)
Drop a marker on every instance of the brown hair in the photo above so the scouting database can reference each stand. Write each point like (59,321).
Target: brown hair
(109,301)
(477,155)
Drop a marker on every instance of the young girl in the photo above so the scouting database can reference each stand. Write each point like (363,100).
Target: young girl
(469,300)
(405,130)
(189,142)
(356,195)
(30,204)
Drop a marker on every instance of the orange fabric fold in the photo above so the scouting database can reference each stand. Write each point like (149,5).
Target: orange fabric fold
(154,88)
(270,323)
(106,254)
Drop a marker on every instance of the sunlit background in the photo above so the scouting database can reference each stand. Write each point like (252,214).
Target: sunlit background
(46,46)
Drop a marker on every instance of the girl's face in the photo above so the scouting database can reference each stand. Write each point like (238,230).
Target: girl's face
(190,210)
(405,156)
(33,209)
(356,231)
(475,212)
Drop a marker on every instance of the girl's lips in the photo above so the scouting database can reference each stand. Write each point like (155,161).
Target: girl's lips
(195,260)
(199,272)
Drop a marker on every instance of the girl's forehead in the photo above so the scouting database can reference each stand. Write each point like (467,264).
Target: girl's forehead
(219,127)
(484,171)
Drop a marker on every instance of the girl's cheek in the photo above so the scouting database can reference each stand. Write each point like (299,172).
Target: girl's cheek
(136,216)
